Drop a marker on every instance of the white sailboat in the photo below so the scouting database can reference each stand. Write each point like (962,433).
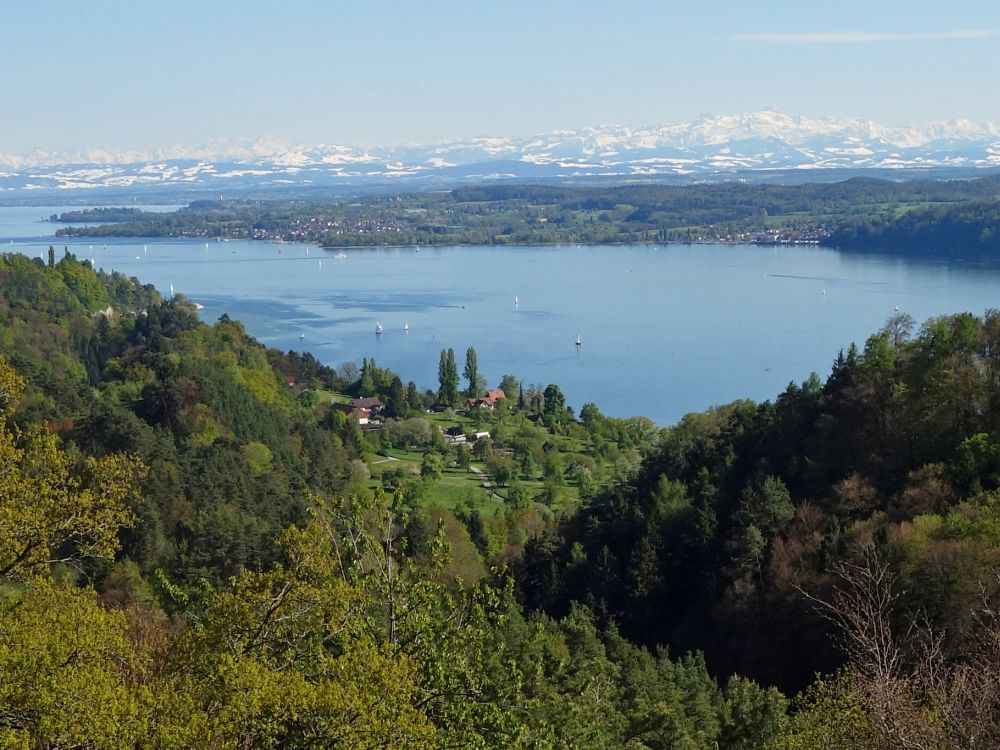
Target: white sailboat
(171,290)
(378,328)
(302,336)
(406,327)
(515,300)
(578,341)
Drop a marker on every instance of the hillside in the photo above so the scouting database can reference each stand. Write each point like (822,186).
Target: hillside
(197,550)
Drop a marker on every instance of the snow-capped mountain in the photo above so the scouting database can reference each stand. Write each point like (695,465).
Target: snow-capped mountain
(710,147)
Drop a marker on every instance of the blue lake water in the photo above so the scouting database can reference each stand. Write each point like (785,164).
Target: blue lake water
(664,329)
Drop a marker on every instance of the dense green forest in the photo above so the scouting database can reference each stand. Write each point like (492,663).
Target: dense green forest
(967,226)
(198,551)
(860,212)
(99,214)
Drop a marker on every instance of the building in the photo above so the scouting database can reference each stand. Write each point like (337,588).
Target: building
(372,404)
(454,435)
(360,414)
(486,402)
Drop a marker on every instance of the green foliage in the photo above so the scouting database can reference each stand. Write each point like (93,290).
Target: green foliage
(448,378)
(471,373)
(733,513)
(229,447)
(859,212)
(71,675)
(431,466)
(53,506)
(169,462)
(828,717)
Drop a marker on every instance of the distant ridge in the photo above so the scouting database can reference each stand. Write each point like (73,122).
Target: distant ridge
(705,148)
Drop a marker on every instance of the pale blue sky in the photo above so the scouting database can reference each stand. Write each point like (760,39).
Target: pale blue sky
(140,75)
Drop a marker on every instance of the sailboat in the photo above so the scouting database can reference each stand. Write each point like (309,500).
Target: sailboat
(171,290)
(406,327)
(302,336)
(578,341)
(515,300)
(378,328)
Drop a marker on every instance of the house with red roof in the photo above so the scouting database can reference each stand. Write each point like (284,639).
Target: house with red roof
(486,402)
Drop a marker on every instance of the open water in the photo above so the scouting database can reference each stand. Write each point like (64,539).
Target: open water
(664,329)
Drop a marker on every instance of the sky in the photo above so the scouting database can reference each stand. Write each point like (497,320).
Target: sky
(126,75)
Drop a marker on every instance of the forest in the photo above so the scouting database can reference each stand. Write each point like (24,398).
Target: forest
(859,213)
(202,547)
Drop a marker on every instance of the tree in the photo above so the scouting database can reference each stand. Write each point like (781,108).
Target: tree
(517,496)
(431,465)
(368,385)
(471,373)
(448,378)
(413,400)
(71,677)
(298,656)
(768,506)
(511,387)
(555,403)
(396,405)
(442,641)
(901,684)
(898,328)
(348,372)
(501,467)
(54,507)
(591,417)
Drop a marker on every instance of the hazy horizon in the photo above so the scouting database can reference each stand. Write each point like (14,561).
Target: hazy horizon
(115,76)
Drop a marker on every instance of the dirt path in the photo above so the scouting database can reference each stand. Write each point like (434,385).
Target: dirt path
(487,483)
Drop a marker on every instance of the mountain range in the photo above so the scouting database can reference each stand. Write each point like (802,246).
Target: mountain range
(766,145)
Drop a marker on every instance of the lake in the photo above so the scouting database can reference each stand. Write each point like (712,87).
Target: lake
(664,329)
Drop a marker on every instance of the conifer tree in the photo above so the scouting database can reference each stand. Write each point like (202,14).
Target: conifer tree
(448,378)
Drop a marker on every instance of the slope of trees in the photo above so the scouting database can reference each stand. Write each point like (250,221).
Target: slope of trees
(230,452)
(187,564)
(188,558)
(742,513)
(969,226)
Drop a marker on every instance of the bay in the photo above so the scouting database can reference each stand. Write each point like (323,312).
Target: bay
(664,329)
